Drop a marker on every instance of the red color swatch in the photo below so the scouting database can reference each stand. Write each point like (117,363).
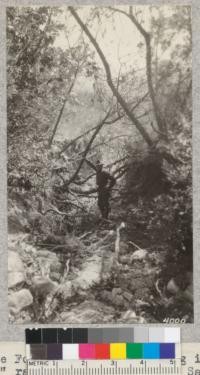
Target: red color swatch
(102,351)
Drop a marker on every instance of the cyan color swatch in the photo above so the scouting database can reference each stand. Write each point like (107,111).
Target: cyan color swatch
(151,351)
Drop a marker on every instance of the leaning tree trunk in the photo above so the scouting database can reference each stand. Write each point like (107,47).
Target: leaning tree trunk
(114,90)
(147,39)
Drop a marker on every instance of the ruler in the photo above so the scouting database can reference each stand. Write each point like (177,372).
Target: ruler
(13,362)
(122,367)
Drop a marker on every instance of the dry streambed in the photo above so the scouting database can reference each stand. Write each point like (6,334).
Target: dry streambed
(94,286)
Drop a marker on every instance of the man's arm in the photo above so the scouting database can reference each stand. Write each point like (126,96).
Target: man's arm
(112,181)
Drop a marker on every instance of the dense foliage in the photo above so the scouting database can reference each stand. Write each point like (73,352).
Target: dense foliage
(69,107)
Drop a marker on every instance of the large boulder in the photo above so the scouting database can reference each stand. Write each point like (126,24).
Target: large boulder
(89,312)
(19,300)
(16,272)
(139,255)
(172,287)
(130,317)
(116,291)
(66,290)
(90,274)
(17,219)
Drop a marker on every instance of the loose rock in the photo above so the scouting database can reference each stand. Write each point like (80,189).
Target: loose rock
(124,259)
(106,296)
(118,301)
(90,274)
(131,317)
(139,255)
(14,262)
(42,286)
(66,290)
(16,273)
(89,312)
(18,301)
(128,296)
(172,287)
(116,291)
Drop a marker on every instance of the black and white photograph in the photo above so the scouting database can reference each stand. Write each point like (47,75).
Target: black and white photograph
(99,164)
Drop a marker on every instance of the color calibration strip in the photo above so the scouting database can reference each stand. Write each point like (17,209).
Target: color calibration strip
(103,335)
(113,351)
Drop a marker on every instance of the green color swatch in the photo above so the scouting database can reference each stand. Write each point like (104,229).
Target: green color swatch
(134,351)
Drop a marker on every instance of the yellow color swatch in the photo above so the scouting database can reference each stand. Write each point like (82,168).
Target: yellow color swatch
(118,351)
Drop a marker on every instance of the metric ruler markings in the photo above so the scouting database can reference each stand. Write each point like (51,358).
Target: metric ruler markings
(13,362)
(124,367)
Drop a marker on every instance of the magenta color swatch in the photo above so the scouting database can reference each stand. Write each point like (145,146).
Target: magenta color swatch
(87,351)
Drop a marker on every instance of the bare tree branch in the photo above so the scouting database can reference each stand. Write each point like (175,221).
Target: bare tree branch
(93,167)
(157,131)
(147,38)
(91,192)
(83,192)
(115,92)
(63,106)
(106,142)
(98,128)
(107,122)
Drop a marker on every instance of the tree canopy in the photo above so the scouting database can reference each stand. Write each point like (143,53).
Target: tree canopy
(109,84)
